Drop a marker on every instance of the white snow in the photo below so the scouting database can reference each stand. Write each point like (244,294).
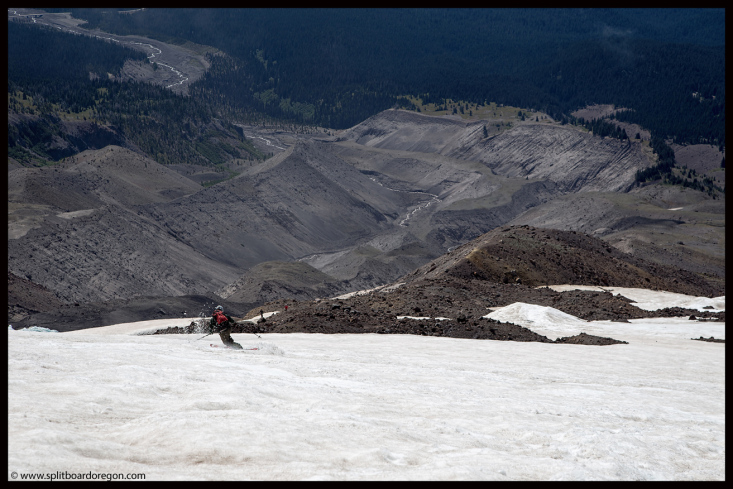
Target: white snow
(263,315)
(554,324)
(543,320)
(652,300)
(422,317)
(38,329)
(382,288)
(151,326)
(139,327)
(386,407)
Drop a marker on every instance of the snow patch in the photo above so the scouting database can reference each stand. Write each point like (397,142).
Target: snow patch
(258,318)
(543,320)
(652,300)
(72,214)
(36,329)
(423,317)
(136,328)
(382,288)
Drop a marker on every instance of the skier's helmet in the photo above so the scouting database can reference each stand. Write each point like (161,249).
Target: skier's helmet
(218,308)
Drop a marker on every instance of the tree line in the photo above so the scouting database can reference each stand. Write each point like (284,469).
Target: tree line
(338,76)
(49,75)
(335,67)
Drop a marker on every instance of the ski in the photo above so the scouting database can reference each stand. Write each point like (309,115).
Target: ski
(229,348)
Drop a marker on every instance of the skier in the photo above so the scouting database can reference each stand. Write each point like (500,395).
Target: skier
(222,324)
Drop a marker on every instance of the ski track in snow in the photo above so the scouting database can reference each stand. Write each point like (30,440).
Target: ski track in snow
(369,406)
(152,54)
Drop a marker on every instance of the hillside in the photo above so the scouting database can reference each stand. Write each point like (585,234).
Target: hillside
(537,256)
(362,208)
(454,292)
(505,266)
(26,298)
(270,281)
(88,182)
(95,211)
(661,224)
(74,96)
(95,178)
(297,203)
(66,317)
(73,228)
(470,184)
(575,160)
(35,139)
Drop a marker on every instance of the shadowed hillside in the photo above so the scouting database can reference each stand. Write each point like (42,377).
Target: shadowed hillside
(273,280)
(534,256)
(577,161)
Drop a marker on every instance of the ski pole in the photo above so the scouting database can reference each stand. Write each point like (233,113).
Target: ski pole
(239,323)
(204,336)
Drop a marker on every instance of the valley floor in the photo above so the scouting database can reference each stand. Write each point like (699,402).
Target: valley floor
(370,406)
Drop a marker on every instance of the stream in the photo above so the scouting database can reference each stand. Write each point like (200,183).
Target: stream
(183,77)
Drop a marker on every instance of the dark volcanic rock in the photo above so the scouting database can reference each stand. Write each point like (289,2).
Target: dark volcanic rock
(343,321)
(464,302)
(464,284)
(75,316)
(586,339)
(26,298)
(709,340)
(537,256)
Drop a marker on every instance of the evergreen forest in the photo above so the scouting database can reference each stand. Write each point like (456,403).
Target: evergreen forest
(68,79)
(336,67)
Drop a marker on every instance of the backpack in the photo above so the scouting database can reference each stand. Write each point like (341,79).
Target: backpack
(220,317)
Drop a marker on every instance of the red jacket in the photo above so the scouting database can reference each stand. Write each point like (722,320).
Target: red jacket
(220,317)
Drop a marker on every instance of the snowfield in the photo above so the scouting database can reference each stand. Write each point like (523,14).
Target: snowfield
(651,300)
(386,407)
